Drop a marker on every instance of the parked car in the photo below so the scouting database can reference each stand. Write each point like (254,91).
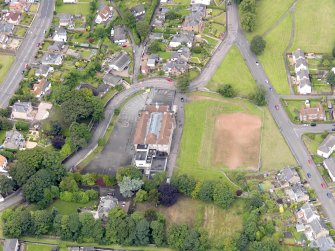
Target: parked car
(329,195)
(313,124)
(277,107)
(309,175)
(323,185)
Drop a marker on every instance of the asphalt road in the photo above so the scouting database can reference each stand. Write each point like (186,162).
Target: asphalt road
(27,51)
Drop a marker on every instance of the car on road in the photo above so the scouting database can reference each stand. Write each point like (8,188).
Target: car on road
(257,63)
(313,124)
(309,175)
(182,99)
(323,185)
(306,125)
(267,81)
(333,129)
(169,80)
(329,195)
(277,107)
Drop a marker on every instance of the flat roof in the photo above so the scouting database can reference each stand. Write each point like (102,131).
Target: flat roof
(159,164)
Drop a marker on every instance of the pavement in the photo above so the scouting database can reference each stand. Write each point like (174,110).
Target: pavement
(27,51)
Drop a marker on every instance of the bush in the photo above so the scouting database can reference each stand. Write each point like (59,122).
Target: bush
(92,194)
(227,91)
(257,45)
(259,96)
(22,126)
(66,196)
(8,155)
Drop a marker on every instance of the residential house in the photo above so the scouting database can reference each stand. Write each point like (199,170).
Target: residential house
(204,2)
(56,47)
(3,164)
(199,8)
(11,245)
(184,37)
(138,10)
(327,147)
(152,61)
(324,243)
(22,110)
(288,176)
(65,19)
(176,67)
(301,64)
(17,6)
(119,34)
(41,88)
(44,70)
(329,164)
(3,39)
(302,73)
(316,229)
(194,22)
(13,17)
(60,34)
(307,213)
(112,80)
(52,59)
(6,28)
(14,140)
(120,61)
(297,55)
(308,113)
(183,53)
(297,193)
(106,204)
(104,14)
(305,86)
(156,36)
(70,1)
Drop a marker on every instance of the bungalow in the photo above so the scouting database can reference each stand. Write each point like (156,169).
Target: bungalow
(308,113)
(297,193)
(204,2)
(316,229)
(6,28)
(176,68)
(324,243)
(288,176)
(41,88)
(138,10)
(183,53)
(65,19)
(297,55)
(103,89)
(11,245)
(13,17)
(329,164)
(44,71)
(60,34)
(301,64)
(305,86)
(119,34)
(307,213)
(152,60)
(52,59)
(120,61)
(3,164)
(184,37)
(104,14)
(112,80)
(327,146)
(22,110)
(14,140)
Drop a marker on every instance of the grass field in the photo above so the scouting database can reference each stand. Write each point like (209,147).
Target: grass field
(5,62)
(36,247)
(272,58)
(196,144)
(82,7)
(315,28)
(267,13)
(64,207)
(234,71)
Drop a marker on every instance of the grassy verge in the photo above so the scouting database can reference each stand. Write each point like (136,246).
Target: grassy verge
(5,64)
(234,71)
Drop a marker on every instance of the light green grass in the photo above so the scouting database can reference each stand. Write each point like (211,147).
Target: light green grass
(82,7)
(267,13)
(272,58)
(234,71)
(67,208)
(36,247)
(6,62)
(315,26)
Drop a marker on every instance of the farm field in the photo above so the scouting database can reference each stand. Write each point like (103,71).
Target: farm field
(272,58)
(234,71)
(267,13)
(314,32)
(82,7)
(6,63)
(198,144)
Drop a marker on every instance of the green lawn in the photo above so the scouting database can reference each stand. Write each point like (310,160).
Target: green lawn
(267,13)
(82,7)
(313,140)
(20,31)
(64,207)
(315,27)
(36,247)
(293,107)
(5,64)
(272,58)
(234,71)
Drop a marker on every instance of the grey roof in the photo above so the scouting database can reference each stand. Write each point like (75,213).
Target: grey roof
(56,46)
(201,8)
(153,56)
(120,33)
(151,61)
(183,53)
(50,58)
(14,140)
(298,54)
(156,35)
(121,60)
(43,69)
(6,27)
(65,18)
(138,9)
(324,243)
(22,107)
(301,61)
(330,163)
(106,204)
(112,80)
(287,174)
(304,82)
(317,226)
(309,211)
(10,244)
(299,190)
(88,249)
(103,88)
(183,37)
(194,19)
(303,74)
(327,143)
(60,31)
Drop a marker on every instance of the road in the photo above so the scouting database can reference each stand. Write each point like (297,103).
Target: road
(27,51)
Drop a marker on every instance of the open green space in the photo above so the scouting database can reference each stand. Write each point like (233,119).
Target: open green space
(36,247)
(6,62)
(267,13)
(197,141)
(314,26)
(64,207)
(234,71)
(272,58)
(82,7)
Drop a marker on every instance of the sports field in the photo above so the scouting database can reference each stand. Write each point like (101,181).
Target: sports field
(235,72)
(200,144)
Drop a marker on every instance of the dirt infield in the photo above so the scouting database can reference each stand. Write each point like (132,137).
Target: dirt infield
(237,140)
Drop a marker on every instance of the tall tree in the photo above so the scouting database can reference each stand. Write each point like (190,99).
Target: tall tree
(79,135)
(168,194)
(6,185)
(142,232)
(128,186)
(157,232)
(222,195)
(42,222)
(257,45)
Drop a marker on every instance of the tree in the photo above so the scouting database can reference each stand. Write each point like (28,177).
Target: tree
(267,244)
(19,223)
(227,91)
(59,2)
(42,222)
(89,179)
(58,142)
(242,242)
(69,184)
(157,232)
(143,29)
(248,6)
(128,186)
(79,135)
(129,19)
(331,78)
(172,15)
(183,82)
(117,226)
(5,124)
(259,96)
(155,47)
(141,196)
(222,195)
(22,126)
(176,236)
(168,194)
(6,185)
(99,32)
(255,201)
(142,232)
(257,45)
(185,184)
(87,224)
(248,21)
(129,171)
(206,191)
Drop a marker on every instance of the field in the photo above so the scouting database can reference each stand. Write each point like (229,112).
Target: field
(234,71)
(272,58)
(5,62)
(219,223)
(82,7)
(197,144)
(267,13)
(315,30)
(64,207)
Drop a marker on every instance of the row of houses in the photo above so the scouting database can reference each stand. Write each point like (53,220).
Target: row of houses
(325,150)
(302,72)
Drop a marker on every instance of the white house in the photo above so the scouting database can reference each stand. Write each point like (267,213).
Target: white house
(204,2)
(305,86)
(60,35)
(329,164)
(3,164)
(327,146)
(184,37)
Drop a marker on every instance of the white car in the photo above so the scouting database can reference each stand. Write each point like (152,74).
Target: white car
(305,124)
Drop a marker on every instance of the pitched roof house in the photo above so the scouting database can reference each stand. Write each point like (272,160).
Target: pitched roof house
(120,61)
(65,19)
(308,113)
(316,229)
(297,193)
(324,243)
(22,110)
(329,164)
(56,47)
(193,22)
(327,147)
(6,28)
(11,245)
(307,213)
(119,34)
(3,39)
(52,59)
(288,176)
(298,54)
(138,10)
(105,205)
(184,37)
(204,2)
(112,80)
(44,70)
(13,17)
(60,34)
(41,88)
(104,14)
(14,140)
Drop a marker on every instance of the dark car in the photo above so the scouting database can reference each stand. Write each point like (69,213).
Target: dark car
(182,99)
(329,195)
(333,129)
(309,175)
(313,124)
